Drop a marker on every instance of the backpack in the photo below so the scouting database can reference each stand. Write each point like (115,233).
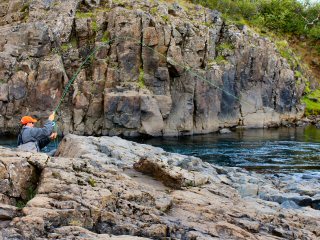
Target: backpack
(28,146)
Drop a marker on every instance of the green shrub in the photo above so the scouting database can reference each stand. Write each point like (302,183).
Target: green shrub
(312,101)
(220,60)
(315,33)
(94,26)
(286,52)
(298,74)
(84,14)
(225,46)
(92,182)
(165,18)
(141,82)
(287,16)
(31,192)
(105,37)
(154,11)
(25,7)
(65,47)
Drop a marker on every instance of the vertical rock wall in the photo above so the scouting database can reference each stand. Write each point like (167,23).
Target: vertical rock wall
(159,69)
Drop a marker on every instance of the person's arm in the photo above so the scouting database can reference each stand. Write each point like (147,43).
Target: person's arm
(39,133)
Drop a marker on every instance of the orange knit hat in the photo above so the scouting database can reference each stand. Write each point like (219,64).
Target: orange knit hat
(27,119)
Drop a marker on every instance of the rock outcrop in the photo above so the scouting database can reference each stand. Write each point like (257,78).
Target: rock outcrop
(158,69)
(110,188)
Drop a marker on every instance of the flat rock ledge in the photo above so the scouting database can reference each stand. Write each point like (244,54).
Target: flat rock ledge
(110,188)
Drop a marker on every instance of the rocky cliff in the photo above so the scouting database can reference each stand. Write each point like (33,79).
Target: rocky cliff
(158,69)
(109,188)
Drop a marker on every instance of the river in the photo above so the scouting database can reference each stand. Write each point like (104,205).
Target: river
(283,150)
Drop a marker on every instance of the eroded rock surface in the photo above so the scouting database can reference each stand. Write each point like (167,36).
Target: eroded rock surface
(159,69)
(107,185)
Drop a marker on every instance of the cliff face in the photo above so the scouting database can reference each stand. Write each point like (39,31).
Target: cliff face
(159,69)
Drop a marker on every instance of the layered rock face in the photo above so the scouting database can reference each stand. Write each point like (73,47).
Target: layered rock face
(157,69)
(109,188)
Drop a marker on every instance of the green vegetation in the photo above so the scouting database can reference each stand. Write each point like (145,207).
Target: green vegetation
(141,82)
(287,53)
(105,37)
(25,8)
(25,11)
(224,46)
(220,60)
(75,222)
(74,41)
(285,16)
(65,47)
(84,14)
(165,18)
(31,192)
(154,11)
(298,74)
(312,102)
(92,182)
(94,26)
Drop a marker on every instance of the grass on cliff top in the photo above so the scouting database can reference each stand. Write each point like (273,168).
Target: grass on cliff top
(312,102)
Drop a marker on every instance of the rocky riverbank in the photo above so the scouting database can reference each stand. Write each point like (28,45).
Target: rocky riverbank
(110,188)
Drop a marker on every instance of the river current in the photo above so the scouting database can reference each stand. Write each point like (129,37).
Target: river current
(283,150)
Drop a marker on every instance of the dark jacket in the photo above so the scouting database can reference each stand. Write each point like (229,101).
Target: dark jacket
(39,136)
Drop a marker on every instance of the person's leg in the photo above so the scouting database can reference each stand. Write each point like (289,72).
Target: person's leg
(52,152)
(43,142)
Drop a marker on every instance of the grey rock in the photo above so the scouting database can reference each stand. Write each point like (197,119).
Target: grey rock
(8,212)
(315,204)
(290,204)
(224,131)
(249,190)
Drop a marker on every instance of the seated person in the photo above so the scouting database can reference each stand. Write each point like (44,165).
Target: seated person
(34,139)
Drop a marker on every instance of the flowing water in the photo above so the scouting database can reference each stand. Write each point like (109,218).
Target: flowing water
(11,142)
(283,150)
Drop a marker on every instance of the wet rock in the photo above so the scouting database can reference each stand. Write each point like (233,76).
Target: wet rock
(296,198)
(316,204)
(290,205)
(224,131)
